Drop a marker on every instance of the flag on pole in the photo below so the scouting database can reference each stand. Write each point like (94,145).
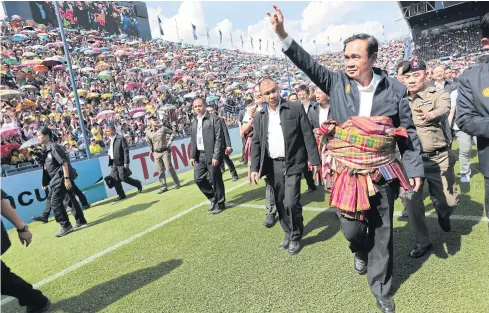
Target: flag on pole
(301,42)
(220,36)
(267,45)
(161,29)
(259,40)
(314,42)
(208,36)
(252,42)
(231,36)
(194,28)
(242,44)
(341,39)
(273,45)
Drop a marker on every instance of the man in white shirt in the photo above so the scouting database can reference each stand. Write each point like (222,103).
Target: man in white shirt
(206,155)
(282,143)
(378,95)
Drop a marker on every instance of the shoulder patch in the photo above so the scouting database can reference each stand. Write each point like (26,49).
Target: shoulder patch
(347,88)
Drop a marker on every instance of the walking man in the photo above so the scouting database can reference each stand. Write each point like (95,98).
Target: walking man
(206,155)
(282,143)
(365,91)
(160,147)
(119,162)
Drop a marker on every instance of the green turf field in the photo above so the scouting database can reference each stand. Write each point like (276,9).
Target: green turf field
(196,262)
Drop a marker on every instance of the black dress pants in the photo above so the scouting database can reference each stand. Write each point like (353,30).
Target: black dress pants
(287,192)
(56,197)
(230,164)
(373,238)
(119,175)
(309,176)
(14,286)
(81,196)
(212,188)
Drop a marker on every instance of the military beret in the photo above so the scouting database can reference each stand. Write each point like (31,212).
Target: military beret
(413,66)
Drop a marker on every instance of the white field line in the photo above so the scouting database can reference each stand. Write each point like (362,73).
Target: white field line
(453,217)
(118,245)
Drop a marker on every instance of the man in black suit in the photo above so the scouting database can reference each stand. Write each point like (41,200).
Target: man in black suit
(362,90)
(206,154)
(303,93)
(119,161)
(282,143)
(226,145)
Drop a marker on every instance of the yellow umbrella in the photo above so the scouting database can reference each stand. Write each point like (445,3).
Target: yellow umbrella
(237,91)
(81,93)
(106,96)
(93,95)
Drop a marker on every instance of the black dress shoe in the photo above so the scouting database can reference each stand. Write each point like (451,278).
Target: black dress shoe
(284,245)
(294,247)
(178,187)
(86,207)
(405,213)
(235,178)
(360,264)
(120,198)
(38,309)
(140,188)
(270,221)
(40,219)
(218,209)
(310,190)
(212,205)
(419,251)
(444,223)
(386,304)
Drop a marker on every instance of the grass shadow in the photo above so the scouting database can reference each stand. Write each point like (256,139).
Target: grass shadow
(101,296)
(316,196)
(123,212)
(327,219)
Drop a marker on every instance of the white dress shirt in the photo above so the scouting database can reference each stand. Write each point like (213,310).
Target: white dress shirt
(453,98)
(323,114)
(276,142)
(199,137)
(366,93)
(111,148)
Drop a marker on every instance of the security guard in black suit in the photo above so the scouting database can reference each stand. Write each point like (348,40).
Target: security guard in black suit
(58,175)
(472,114)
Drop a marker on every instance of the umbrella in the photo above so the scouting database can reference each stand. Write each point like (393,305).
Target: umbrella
(168,107)
(19,37)
(162,88)
(93,95)
(29,103)
(136,110)
(139,114)
(10,61)
(131,86)
(9,130)
(31,142)
(40,68)
(106,96)
(105,114)
(81,93)
(139,98)
(105,75)
(10,93)
(212,98)
(87,69)
(50,62)
(30,63)
(29,54)
(5,150)
(190,95)
(58,67)
(31,87)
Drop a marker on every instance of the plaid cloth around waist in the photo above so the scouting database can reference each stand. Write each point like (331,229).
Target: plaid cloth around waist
(358,154)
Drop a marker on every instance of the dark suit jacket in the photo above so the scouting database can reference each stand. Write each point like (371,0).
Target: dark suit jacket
(225,134)
(313,115)
(472,114)
(390,99)
(212,136)
(300,144)
(121,152)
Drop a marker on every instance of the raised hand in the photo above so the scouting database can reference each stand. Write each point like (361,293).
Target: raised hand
(277,21)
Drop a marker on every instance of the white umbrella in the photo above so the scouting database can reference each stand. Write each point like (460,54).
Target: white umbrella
(105,114)
(31,142)
(138,114)
(190,95)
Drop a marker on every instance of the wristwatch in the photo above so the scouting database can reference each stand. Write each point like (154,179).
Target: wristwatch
(23,230)
(67,178)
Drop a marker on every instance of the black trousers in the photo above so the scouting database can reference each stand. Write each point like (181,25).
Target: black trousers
(14,286)
(373,239)
(486,201)
(56,197)
(76,191)
(287,192)
(230,164)
(212,188)
(119,176)
(309,176)
(81,196)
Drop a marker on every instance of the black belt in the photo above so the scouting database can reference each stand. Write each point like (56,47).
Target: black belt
(434,153)
(279,159)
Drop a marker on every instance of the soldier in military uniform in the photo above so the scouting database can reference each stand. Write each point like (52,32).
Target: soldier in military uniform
(430,107)
(160,147)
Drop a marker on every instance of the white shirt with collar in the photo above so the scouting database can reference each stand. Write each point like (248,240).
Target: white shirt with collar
(199,137)
(366,93)
(276,142)
(323,114)
(111,148)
